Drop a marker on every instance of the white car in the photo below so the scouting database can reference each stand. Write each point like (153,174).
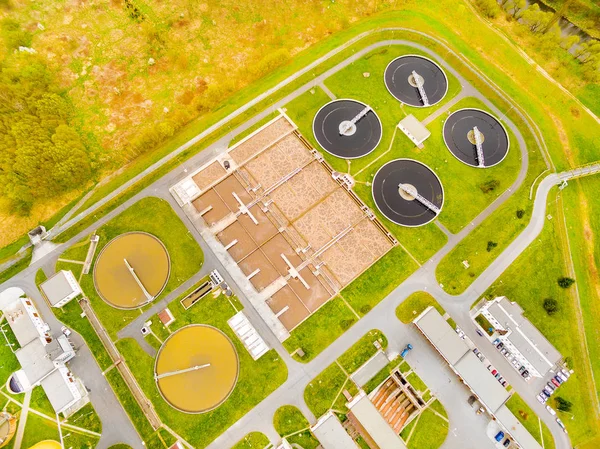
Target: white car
(562,426)
(550,410)
(65,331)
(541,398)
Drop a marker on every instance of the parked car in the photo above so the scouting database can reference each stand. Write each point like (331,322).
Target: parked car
(497,375)
(500,379)
(475,351)
(547,391)
(480,357)
(489,367)
(500,345)
(550,410)
(550,386)
(555,382)
(506,443)
(504,351)
(66,331)
(479,332)
(494,372)
(499,436)
(541,398)
(561,424)
(563,377)
(404,352)
(525,373)
(566,373)
(558,379)
(544,394)
(496,341)
(522,369)
(504,383)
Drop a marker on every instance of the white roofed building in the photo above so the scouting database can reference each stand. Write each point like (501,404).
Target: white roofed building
(61,288)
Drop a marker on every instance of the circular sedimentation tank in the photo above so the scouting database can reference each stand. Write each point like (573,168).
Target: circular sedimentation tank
(405,74)
(131,270)
(459,136)
(401,205)
(348,129)
(196,368)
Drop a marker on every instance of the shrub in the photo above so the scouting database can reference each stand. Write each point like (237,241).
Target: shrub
(491,245)
(550,306)
(520,213)
(489,186)
(365,309)
(565,282)
(489,8)
(562,404)
(345,324)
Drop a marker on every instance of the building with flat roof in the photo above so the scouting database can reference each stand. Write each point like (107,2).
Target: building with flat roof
(524,341)
(61,288)
(331,433)
(373,427)
(414,130)
(42,357)
(473,373)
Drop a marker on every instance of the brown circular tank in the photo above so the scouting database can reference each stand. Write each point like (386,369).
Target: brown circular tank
(196,368)
(131,270)
(8,427)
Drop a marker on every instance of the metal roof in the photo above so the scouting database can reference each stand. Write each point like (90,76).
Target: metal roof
(35,361)
(367,371)
(441,335)
(415,128)
(515,428)
(58,392)
(331,434)
(60,286)
(525,336)
(376,426)
(482,382)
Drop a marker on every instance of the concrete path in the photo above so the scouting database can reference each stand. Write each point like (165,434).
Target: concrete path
(22,421)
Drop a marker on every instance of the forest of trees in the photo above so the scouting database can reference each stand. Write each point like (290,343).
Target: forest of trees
(41,153)
(544,24)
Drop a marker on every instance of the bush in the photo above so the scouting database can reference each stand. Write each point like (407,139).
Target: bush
(491,245)
(489,186)
(565,282)
(520,213)
(489,8)
(345,324)
(365,309)
(562,404)
(550,306)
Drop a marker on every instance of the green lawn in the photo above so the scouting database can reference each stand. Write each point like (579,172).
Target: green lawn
(156,217)
(305,440)
(70,315)
(362,351)
(582,206)
(289,419)
(418,384)
(257,379)
(77,251)
(254,440)
(414,305)
(366,291)
(9,364)
(38,429)
(383,374)
(40,402)
(429,433)
(321,393)
(320,329)
(17,267)
(40,277)
(530,421)
(528,281)
(75,268)
(86,418)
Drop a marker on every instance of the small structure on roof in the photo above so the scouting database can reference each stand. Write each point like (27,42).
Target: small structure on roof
(414,130)
(166,317)
(61,288)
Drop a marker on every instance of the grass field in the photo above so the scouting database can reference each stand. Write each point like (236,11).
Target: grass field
(257,379)
(530,421)
(289,419)
(156,217)
(254,440)
(532,278)
(324,392)
(414,305)
(428,431)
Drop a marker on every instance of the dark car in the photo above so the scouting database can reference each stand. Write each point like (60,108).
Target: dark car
(522,368)
(500,345)
(525,373)
(544,394)
(479,332)
(506,442)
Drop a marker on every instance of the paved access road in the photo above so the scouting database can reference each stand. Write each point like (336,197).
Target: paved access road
(466,430)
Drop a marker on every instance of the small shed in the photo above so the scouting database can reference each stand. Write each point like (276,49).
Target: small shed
(414,130)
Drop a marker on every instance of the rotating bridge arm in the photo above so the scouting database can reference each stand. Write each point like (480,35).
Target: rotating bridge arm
(410,190)
(420,88)
(479,146)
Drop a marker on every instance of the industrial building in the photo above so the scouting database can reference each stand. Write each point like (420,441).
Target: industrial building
(61,288)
